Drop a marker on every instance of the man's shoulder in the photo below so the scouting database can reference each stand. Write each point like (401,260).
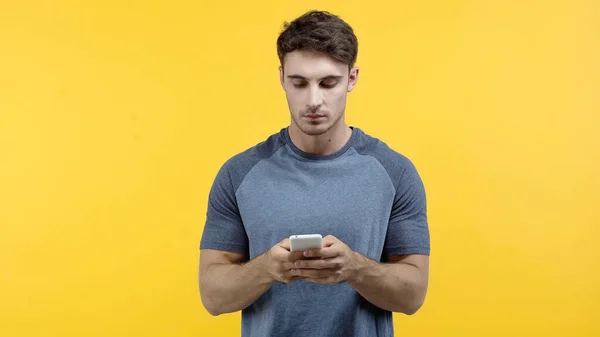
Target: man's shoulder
(241,163)
(257,152)
(394,161)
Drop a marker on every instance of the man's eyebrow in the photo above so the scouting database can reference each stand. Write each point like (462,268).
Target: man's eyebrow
(335,77)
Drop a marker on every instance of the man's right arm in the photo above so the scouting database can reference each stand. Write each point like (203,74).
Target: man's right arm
(227,284)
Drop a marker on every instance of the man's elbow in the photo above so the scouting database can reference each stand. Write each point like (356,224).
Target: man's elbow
(209,304)
(211,307)
(411,307)
(212,312)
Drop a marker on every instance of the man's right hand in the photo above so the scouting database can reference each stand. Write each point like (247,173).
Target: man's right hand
(227,284)
(279,262)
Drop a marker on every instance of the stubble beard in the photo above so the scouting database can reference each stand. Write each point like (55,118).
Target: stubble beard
(321,128)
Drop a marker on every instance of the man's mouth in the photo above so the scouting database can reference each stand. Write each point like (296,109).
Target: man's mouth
(314,116)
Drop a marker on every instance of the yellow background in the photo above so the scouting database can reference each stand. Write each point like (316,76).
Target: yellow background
(115,117)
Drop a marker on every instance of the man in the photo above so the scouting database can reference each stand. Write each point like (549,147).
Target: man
(318,175)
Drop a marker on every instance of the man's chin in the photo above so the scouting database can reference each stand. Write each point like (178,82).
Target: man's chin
(315,130)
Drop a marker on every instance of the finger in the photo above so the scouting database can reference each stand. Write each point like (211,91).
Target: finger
(326,280)
(285,244)
(316,264)
(289,277)
(313,273)
(287,266)
(328,252)
(329,240)
(294,256)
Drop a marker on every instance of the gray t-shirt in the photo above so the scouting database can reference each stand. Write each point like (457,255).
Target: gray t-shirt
(367,195)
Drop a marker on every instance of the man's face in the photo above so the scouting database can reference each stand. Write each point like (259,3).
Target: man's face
(316,86)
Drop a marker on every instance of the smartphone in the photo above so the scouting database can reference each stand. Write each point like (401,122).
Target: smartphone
(305,241)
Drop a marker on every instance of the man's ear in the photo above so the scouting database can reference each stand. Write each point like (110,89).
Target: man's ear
(281,76)
(352,78)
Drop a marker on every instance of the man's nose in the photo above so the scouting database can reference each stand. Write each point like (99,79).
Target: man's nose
(315,98)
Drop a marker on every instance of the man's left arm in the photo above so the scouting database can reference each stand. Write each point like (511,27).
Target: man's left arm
(398,285)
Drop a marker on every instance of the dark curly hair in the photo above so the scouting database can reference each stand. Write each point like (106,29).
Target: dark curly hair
(319,31)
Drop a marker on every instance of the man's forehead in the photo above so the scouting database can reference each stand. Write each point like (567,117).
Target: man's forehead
(312,65)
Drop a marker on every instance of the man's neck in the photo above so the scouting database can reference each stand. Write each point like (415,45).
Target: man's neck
(328,143)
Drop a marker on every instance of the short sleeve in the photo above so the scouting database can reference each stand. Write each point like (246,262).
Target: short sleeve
(408,230)
(224,229)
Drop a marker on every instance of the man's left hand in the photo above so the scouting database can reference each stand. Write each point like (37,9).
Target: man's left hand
(334,263)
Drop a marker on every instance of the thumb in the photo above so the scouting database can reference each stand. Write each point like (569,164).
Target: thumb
(329,240)
(285,244)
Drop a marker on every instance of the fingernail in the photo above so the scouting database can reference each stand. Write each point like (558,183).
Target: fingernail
(306,253)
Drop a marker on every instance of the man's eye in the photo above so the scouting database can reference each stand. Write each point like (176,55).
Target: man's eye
(328,84)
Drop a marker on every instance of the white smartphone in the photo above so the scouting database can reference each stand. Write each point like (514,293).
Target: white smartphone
(305,241)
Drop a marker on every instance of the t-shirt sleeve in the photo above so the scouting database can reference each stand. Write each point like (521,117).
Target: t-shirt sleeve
(224,229)
(408,231)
